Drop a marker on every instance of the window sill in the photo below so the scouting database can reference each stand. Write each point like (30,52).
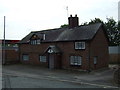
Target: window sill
(76,65)
(79,49)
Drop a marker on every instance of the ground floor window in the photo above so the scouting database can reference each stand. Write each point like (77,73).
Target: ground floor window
(75,60)
(25,57)
(95,60)
(42,58)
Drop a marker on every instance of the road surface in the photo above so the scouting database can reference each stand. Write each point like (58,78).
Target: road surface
(20,76)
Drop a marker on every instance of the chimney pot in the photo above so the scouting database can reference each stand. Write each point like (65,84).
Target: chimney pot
(75,15)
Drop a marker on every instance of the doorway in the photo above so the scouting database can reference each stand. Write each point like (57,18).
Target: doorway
(51,61)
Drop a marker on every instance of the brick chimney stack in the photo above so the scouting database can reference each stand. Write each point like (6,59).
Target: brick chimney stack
(73,21)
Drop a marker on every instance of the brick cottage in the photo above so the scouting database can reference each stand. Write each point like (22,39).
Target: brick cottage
(82,47)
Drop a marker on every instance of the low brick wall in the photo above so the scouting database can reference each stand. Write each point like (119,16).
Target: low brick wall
(11,55)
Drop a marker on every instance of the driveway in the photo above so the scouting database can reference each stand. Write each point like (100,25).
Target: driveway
(101,78)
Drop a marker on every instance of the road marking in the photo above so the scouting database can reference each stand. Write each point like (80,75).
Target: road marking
(104,86)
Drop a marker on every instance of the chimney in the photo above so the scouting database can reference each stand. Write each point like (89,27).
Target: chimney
(73,21)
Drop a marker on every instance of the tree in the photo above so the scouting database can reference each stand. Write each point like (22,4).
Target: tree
(113,31)
(85,23)
(64,26)
(96,20)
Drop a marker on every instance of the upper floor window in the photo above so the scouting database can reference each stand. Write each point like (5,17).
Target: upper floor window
(35,39)
(38,41)
(79,45)
(35,42)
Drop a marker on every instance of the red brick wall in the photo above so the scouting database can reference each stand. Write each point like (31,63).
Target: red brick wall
(99,47)
(34,51)
(67,49)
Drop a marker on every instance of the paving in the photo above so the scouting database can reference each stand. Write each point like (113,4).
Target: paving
(62,78)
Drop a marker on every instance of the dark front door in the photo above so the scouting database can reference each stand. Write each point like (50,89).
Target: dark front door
(51,61)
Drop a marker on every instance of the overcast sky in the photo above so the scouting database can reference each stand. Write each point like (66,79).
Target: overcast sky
(24,16)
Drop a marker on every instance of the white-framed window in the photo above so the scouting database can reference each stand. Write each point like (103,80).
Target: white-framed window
(95,60)
(42,58)
(25,57)
(75,60)
(79,45)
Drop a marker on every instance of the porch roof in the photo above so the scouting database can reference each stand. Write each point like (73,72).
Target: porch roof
(53,49)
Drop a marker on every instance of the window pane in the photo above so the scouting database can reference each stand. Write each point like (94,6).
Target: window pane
(34,41)
(71,60)
(79,45)
(42,58)
(95,60)
(79,60)
(38,41)
(76,45)
(75,60)
(83,45)
(25,57)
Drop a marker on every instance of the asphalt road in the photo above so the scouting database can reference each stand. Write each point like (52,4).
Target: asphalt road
(28,82)
(21,76)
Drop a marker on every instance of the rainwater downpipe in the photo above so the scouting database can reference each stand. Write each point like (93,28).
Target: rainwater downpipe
(89,70)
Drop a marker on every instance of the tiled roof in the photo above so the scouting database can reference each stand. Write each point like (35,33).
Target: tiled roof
(86,32)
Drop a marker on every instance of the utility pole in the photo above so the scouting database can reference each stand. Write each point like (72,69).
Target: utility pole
(4,44)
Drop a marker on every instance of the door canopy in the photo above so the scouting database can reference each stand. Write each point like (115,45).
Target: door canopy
(53,49)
